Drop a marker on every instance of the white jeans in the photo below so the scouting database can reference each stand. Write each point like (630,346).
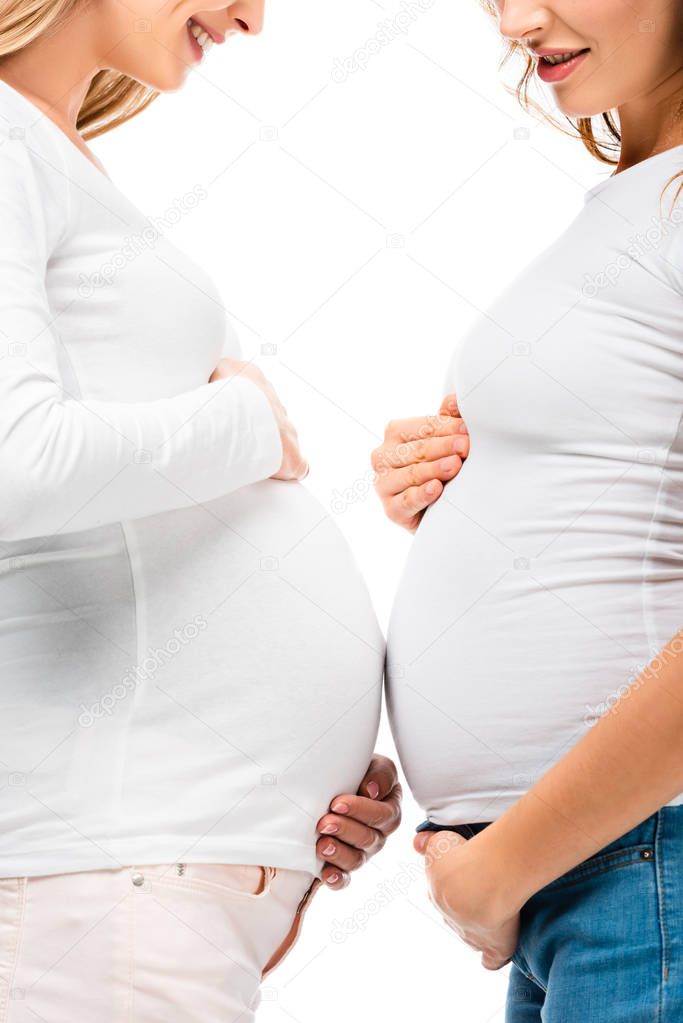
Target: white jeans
(179,943)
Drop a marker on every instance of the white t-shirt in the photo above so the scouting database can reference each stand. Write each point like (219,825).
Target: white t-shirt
(190,663)
(550,571)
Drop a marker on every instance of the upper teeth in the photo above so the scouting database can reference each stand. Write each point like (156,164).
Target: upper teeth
(560,58)
(202,37)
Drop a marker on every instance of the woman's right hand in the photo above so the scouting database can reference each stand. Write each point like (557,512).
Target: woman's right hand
(417,457)
(294,465)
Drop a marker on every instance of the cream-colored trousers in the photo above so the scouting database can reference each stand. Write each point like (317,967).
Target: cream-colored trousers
(179,943)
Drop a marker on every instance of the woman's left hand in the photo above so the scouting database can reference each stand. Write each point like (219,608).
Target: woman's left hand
(464,891)
(357,825)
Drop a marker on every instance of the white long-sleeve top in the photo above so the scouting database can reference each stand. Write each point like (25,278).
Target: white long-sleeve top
(550,572)
(190,664)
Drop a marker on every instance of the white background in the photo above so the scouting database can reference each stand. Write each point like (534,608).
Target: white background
(359,226)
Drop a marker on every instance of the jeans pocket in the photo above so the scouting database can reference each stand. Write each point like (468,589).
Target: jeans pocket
(602,862)
(242,880)
(292,936)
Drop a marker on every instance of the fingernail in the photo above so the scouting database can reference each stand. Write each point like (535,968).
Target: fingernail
(329,849)
(332,879)
(329,829)
(340,808)
(448,464)
(463,427)
(429,489)
(373,789)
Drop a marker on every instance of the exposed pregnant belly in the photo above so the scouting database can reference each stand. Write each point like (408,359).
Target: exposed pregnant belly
(209,677)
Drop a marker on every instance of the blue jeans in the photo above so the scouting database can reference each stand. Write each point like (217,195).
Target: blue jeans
(604,942)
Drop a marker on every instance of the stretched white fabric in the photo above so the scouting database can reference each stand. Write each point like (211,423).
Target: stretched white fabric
(190,663)
(550,571)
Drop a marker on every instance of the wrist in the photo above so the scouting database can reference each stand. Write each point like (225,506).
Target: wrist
(492,892)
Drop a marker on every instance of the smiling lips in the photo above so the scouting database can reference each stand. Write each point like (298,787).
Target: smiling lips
(556,65)
(201,39)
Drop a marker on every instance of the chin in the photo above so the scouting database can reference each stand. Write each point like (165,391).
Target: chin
(165,80)
(575,108)
(574,104)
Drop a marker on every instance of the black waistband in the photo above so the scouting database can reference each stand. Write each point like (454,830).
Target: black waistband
(466,830)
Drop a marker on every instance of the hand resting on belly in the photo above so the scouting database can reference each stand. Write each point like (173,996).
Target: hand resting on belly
(418,456)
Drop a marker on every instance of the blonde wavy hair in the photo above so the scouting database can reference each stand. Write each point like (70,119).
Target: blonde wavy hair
(112,97)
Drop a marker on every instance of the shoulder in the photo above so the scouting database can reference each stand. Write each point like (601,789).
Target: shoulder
(34,173)
(671,227)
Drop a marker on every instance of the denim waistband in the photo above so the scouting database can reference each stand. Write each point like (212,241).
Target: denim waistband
(666,823)
(466,830)
(668,819)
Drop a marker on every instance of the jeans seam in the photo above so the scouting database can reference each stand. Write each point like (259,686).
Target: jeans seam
(578,875)
(132,903)
(19,925)
(523,965)
(662,909)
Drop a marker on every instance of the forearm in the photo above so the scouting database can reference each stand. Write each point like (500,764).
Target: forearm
(624,769)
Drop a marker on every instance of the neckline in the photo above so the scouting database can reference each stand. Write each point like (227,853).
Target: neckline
(45,117)
(633,169)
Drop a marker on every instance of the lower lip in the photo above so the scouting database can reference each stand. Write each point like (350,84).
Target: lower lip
(196,48)
(558,72)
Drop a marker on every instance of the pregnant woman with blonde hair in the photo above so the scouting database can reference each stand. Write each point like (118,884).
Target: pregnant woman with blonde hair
(190,662)
(535,645)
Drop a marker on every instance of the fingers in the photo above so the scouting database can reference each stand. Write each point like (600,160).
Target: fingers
(335,830)
(380,778)
(421,840)
(426,450)
(294,466)
(449,406)
(402,431)
(417,457)
(334,878)
(416,476)
(437,845)
(406,508)
(339,854)
(382,815)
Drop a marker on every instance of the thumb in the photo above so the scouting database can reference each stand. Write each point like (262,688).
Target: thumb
(421,840)
(434,844)
(449,406)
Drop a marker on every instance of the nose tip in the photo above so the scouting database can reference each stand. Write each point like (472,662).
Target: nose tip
(251,21)
(516,30)
(252,27)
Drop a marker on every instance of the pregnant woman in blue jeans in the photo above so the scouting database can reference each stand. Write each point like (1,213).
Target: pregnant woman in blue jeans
(535,646)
